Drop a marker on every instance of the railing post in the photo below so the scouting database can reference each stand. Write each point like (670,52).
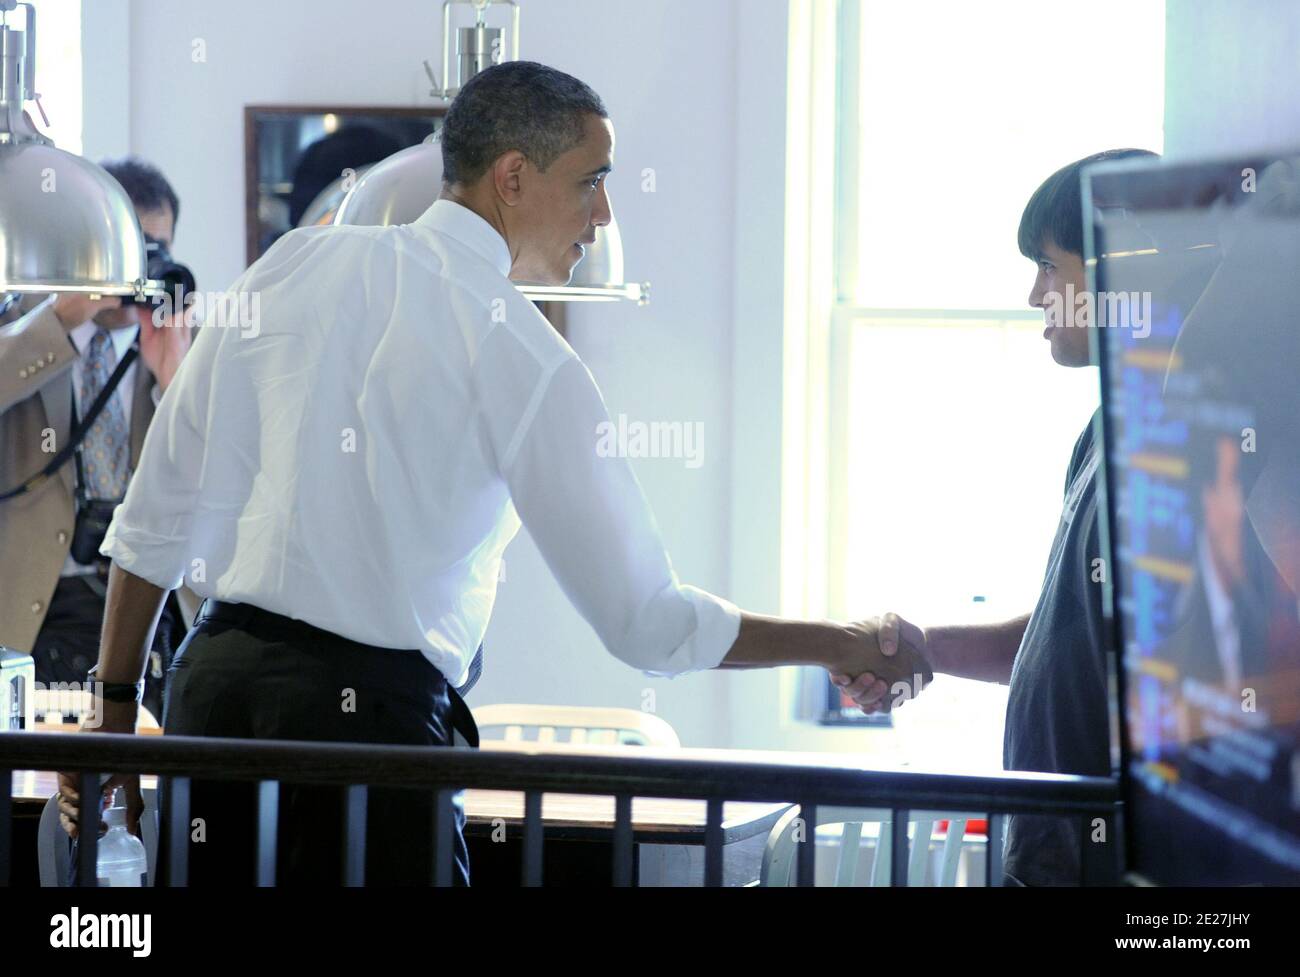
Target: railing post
(354,834)
(176,817)
(623,849)
(713,843)
(444,815)
(88,830)
(1099,861)
(806,854)
(532,855)
(6,828)
(993,850)
(899,852)
(268,823)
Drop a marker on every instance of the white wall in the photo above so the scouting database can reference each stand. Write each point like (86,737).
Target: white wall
(1231,76)
(105,78)
(667,71)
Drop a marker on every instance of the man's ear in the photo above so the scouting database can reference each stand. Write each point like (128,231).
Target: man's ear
(507,176)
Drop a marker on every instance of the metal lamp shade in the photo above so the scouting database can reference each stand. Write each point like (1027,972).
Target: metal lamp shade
(65,225)
(395,190)
(400,188)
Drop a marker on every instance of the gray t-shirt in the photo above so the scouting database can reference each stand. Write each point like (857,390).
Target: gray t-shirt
(1057,718)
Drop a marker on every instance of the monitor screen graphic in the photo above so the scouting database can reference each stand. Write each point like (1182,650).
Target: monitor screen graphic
(1196,279)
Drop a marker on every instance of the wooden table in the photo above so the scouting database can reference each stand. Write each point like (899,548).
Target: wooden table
(667,833)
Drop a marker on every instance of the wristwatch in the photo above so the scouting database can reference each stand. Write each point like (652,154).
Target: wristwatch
(116,691)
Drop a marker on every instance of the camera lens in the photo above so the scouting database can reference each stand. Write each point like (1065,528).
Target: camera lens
(161,268)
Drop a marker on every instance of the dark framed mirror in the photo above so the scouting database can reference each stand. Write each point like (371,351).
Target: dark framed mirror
(299,160)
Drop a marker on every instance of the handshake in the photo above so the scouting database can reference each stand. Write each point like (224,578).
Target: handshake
(890,670)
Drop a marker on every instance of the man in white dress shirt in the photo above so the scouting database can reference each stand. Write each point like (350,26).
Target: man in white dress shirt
(341,480)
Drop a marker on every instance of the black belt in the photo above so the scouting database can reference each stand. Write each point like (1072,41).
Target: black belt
(249,616)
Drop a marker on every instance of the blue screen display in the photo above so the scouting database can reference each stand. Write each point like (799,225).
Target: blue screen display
(1194,271)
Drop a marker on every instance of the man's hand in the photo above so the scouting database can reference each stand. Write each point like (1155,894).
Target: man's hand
(163,346)
(131,611)
(73,309)
(904,663)
(104,717)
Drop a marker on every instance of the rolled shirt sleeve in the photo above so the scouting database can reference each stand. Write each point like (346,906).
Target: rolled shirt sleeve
(588,514)
(150,532)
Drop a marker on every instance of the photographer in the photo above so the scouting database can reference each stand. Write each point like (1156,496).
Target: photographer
(55,360)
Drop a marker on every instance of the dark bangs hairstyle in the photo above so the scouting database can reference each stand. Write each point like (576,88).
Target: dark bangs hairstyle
(144,184)
(1054,213)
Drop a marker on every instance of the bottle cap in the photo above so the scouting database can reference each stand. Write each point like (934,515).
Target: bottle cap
(115,814)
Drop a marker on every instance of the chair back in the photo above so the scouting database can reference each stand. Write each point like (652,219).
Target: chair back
(575,724)
(779,856)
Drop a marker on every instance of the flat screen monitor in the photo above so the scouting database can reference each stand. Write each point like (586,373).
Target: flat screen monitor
(1194,282)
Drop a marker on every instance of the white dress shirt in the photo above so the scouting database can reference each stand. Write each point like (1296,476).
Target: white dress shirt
(360,456)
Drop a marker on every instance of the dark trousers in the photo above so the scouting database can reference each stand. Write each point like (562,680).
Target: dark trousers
(246,673)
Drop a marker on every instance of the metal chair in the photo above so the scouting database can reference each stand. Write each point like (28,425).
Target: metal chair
(585,724)
(781,852)
(54,847)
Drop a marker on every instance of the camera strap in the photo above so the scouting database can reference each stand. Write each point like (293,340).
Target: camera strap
(80,428)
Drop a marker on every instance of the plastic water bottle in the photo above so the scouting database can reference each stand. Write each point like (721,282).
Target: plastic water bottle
(122,860)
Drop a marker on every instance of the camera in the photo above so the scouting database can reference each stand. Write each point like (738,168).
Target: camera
(93,517)
(161,268)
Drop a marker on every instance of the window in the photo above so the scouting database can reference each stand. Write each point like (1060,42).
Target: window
(960,111)
(58,70)
(949,426)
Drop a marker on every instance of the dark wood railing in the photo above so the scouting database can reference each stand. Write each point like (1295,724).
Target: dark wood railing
(176,759)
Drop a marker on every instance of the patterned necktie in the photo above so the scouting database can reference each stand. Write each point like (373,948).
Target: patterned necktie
(105,451)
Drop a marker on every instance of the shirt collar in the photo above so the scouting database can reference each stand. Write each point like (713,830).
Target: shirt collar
(122,338)
(462,224)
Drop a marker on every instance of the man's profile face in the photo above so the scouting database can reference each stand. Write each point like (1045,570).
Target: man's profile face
(559,209)
(1058,268)
(159,224)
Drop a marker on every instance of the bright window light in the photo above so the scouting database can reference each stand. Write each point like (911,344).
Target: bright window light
(970,426)
(964,109)
(58,70)
(955,424)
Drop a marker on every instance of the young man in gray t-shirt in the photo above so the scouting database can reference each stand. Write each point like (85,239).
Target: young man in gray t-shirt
(1053,658)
